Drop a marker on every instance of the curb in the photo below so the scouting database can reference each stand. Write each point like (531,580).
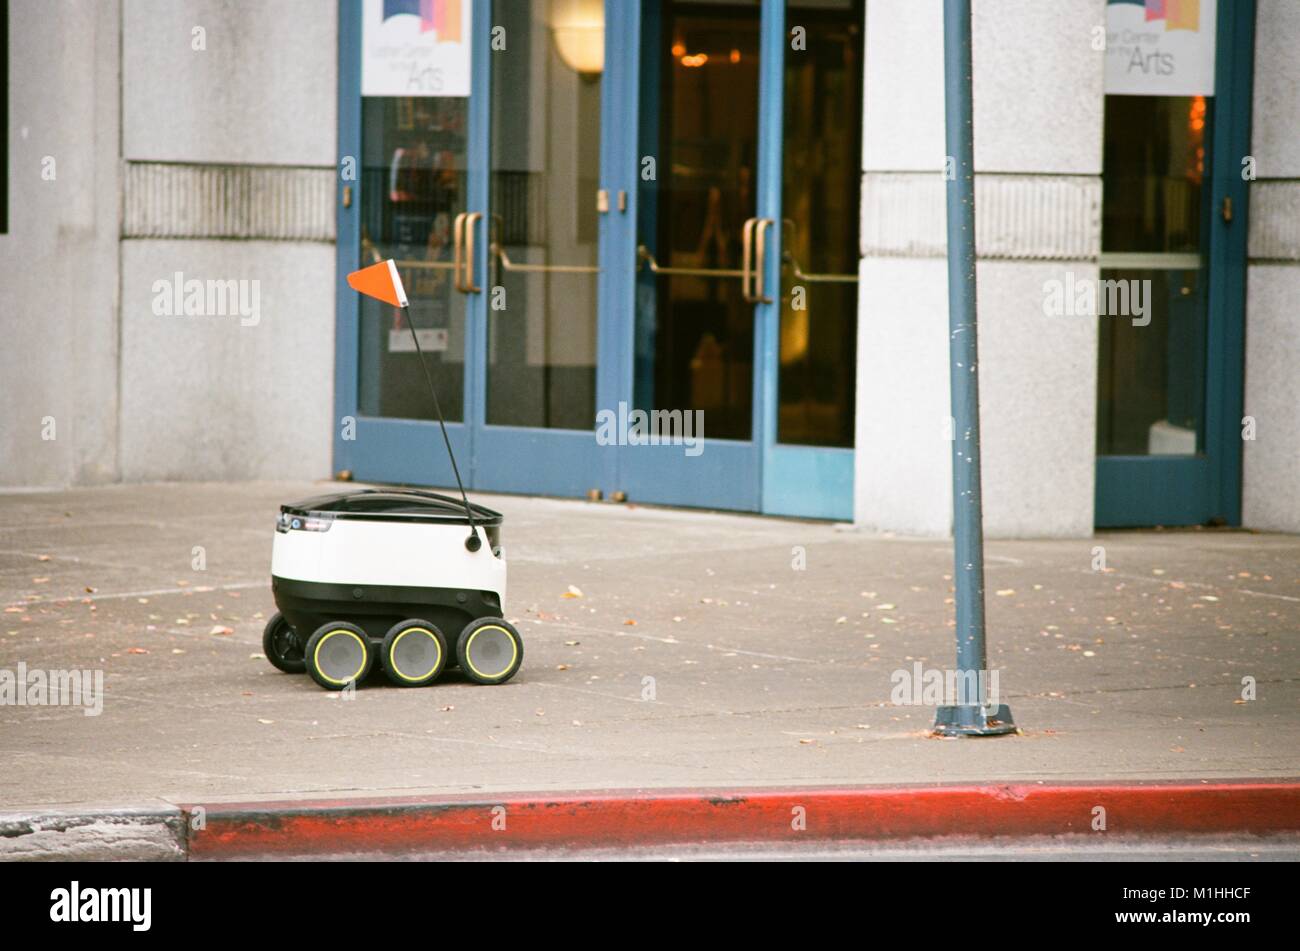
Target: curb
(676,817)
(144,835)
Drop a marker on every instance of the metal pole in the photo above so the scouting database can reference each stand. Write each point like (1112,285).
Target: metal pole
(968,716)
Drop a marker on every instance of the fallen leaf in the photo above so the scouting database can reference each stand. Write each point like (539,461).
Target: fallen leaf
(222,630)
(136,650)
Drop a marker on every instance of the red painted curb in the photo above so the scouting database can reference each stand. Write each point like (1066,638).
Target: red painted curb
(664,817)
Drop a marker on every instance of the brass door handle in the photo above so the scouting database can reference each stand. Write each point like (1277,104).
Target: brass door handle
(458,249)
(497,253)
(747,258)
(368,248)
(500,254)
(754,256)
(463,251)
(414,264)
(643,253)
(818,278)
(800,274)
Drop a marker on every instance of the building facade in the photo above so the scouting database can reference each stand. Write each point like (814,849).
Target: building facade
(672,251)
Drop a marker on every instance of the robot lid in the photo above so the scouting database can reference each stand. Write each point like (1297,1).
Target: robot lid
(388,505)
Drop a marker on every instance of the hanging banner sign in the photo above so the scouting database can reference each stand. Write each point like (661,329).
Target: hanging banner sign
(415,47)
(1160,47)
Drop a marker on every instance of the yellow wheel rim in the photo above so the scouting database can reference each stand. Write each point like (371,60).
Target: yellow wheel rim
(514,651)
(365,649)
(392,653)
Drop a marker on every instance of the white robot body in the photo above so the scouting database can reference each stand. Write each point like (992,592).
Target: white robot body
(378,551)
(405,576)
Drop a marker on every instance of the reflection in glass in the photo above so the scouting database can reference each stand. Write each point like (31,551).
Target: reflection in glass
(545,172)
(412,188)
(695,334)
(1151,379)
(818,351)
(1153,173)
(1151,376)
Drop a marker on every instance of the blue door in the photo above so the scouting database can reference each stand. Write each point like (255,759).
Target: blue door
(1170,378)
(745,293)
(478,166)
(587,209)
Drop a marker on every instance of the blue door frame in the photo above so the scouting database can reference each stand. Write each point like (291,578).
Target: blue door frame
(382,449)
(758,475)
(501,458)
(1205,488)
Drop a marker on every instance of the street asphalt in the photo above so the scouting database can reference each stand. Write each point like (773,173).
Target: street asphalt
(664,648)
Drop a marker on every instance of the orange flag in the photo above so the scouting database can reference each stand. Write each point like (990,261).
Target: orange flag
(380,281)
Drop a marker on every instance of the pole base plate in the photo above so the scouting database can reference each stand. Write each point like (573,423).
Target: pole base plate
(971,719)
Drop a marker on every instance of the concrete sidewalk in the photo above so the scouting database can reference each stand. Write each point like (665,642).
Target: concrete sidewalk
(760,674)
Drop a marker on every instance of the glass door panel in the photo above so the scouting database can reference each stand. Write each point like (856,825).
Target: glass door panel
(754,183)
(1152,358)
(820,201)
(544,227)
(413,186)
(810,366)
(696,345)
